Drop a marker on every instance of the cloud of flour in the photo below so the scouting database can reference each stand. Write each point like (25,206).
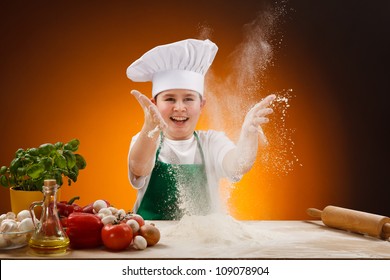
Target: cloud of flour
(230,98)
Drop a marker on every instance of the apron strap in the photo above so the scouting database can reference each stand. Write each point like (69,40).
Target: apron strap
(159,146)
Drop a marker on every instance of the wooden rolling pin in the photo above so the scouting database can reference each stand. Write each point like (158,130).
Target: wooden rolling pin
(354,221)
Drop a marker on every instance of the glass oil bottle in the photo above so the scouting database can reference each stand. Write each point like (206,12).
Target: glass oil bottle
(49,236)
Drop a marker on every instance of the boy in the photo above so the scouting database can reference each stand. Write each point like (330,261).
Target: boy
(176,169)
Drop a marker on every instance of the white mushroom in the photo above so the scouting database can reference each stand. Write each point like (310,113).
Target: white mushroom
(121,213)
(139,242)
(108,219)
(99,204)
(100,215)
(134,225)
(105,211)
(113,210)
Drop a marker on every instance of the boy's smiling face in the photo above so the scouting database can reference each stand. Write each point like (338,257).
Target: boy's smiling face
(180,109)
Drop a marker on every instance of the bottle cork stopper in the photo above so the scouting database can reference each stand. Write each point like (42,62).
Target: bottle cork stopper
(49,182)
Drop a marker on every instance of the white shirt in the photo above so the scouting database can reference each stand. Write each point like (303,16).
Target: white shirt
(215,146)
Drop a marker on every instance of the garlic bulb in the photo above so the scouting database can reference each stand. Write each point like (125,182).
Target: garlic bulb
(26,225)
(8,225)
(23,215)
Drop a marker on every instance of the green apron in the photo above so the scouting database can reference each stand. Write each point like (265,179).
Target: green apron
(175,190)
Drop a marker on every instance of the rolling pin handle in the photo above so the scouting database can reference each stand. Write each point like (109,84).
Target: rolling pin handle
(313,212)
(386,229)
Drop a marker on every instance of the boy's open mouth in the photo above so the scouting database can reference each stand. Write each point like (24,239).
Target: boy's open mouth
(179,119)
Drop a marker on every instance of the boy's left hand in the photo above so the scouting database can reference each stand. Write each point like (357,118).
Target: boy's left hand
(258,116)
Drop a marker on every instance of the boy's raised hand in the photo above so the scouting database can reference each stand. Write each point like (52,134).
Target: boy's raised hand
(257,116)
(240,160)
(153,118)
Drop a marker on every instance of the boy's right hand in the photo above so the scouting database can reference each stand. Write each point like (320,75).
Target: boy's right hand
(153,118)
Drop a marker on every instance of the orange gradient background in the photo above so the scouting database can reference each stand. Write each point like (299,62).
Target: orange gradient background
(63,76)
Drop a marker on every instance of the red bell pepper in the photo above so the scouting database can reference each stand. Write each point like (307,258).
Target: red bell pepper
(88,208)
(64,222)
(64,208)
(84,230)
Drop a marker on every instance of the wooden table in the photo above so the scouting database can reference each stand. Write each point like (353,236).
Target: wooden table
(268,240)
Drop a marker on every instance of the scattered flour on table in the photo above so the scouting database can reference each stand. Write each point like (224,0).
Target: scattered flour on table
(216,229)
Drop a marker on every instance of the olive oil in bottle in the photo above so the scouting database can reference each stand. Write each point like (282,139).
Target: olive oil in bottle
(49,236)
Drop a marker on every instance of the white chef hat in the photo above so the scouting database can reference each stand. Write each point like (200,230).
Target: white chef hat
(179,65)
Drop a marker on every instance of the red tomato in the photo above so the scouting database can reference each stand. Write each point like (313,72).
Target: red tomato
(138,218)
(117,237)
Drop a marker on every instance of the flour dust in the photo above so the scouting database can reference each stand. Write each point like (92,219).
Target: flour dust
(279,158)
(231,97)
(153,131)
(234,95)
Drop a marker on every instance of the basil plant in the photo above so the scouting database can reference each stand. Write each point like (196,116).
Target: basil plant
(32,166)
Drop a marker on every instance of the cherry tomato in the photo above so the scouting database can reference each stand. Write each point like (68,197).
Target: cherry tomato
(117,237)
